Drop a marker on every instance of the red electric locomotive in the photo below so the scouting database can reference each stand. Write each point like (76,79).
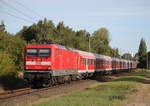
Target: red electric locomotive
(48,64)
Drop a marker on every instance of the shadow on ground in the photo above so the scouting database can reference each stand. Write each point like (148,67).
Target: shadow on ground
(10,82)
(132,79)
(142,77)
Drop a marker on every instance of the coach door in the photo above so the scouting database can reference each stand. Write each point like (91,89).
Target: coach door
(86,64)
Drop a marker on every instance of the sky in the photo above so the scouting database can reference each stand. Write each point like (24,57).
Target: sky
(127,20)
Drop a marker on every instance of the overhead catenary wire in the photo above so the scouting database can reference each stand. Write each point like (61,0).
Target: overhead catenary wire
(3,12)
(27,8)
(5,3)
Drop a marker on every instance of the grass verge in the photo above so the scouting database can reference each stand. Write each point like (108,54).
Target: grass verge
(109,94)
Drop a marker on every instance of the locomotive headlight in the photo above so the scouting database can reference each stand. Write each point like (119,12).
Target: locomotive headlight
(27,68)
(49,68)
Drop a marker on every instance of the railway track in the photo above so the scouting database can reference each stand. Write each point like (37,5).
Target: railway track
(14,93)
(26,91)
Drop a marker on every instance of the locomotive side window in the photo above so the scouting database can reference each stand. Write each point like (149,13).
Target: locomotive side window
(44,52)
(33,52)
(57,52)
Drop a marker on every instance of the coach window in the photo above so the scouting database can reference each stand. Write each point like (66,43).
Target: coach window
(97,62)
(80,61)
(113,63)
(105,63)
(92,62)
(120,64)
(89,61)
(108,63)
(84,61)
(101,62)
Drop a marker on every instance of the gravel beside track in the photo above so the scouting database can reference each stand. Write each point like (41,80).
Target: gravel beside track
(12,93)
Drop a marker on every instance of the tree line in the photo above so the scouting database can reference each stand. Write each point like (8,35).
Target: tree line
(45,31)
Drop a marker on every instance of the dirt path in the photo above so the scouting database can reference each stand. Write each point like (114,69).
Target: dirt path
(142,96)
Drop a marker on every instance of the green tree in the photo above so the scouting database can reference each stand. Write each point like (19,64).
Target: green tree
(100,42)
(82,40)
(13,46)
(142,53)
(114,52)
(2,26)
(149,59)
(7,66)
(43,31)
(136,57)
(127,56)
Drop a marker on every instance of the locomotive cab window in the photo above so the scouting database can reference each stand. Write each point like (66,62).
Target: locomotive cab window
(44,52)
(32,52)
(38,52)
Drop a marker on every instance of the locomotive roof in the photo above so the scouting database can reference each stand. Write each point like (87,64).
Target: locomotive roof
(81,52)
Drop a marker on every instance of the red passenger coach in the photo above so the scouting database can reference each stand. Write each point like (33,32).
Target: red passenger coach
(103,63)
(86,63)
(115,64)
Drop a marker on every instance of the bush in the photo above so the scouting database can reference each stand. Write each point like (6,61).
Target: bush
(11,53)
(7,65)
